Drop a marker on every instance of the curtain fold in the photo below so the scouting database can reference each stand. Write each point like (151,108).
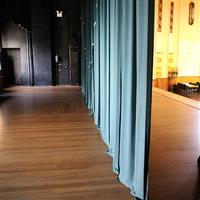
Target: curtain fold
(115,82)
(96,65)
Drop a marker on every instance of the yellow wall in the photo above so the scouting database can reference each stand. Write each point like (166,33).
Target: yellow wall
(161,42)
(189,41)
(177,51)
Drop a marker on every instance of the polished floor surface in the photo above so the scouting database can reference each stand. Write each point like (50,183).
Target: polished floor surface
(175,147)
(51,150)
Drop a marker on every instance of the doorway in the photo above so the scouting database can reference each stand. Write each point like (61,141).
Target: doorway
(11,66)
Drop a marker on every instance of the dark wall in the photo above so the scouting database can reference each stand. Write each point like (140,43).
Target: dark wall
(14,37)
(41,41)
(17,11)
(66,34)
(1,74)
(34,29)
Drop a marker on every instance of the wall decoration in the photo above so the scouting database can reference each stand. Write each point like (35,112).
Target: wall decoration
(160,5)
(171,17)
(191,13)
(171,65)
(159,63)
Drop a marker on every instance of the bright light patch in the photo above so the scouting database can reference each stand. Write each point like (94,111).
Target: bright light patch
(59,13)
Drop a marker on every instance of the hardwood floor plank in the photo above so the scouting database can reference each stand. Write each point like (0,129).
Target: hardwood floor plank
(175,147)
(50,148)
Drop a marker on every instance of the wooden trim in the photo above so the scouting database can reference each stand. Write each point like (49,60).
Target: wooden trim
(161,83)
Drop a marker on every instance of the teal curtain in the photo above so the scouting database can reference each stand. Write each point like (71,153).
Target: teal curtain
(117,43)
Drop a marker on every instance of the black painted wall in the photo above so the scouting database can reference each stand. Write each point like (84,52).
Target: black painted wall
(1,73)
(66,34)
(13,37)
(41,41)
(32,27)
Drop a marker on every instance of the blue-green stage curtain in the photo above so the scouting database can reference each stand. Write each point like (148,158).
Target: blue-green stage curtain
(117,43)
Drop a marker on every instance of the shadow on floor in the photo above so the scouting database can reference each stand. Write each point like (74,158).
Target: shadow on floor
(3,99)
(4,96)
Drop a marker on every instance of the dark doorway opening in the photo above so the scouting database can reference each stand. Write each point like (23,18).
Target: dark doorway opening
(11,66)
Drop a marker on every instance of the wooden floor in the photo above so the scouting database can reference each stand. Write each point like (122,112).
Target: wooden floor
(175,147)
(50,148)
